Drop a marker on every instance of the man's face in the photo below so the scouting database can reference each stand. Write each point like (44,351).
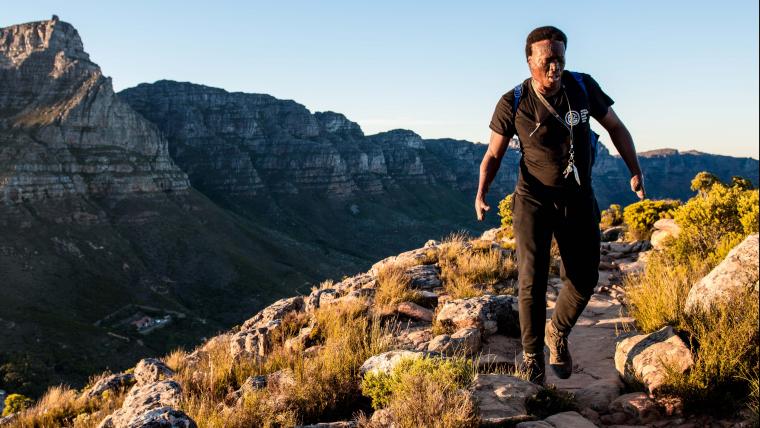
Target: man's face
(546,62)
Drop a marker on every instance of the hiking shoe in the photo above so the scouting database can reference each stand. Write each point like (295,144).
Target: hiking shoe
(559,355)
(533,366)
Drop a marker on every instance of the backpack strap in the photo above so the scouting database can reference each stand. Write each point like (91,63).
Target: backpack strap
(578,78)
(516,102)
(594,136)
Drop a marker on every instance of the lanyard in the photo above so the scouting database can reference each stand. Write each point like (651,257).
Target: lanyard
(571,161)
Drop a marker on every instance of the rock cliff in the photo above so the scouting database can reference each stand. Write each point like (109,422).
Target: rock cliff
(63,131)
(251,145)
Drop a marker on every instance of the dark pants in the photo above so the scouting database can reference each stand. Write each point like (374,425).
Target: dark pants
(573,219)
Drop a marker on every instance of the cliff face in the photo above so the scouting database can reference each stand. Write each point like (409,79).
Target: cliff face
(62,129)
(252,145)
(255,146)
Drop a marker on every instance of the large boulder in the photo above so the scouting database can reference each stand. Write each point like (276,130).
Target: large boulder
(646,358)
(153,405)
(736,274)
(489,313)
(502,398)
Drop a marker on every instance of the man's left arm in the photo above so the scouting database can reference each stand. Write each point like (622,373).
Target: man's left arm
(623,142)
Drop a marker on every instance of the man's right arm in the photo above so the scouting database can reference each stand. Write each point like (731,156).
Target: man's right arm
(497,146)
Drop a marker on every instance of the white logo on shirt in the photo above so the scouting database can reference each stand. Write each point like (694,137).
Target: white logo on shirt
(584,115)
(572,118)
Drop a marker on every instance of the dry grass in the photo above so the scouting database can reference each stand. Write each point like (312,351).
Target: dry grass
(657,296)
(727,352)
(393,287)
(63,406)
(320,387)
(724,339)
(471,269)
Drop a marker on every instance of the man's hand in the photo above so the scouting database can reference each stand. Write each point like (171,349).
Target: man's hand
(637,186)
(488,167)
(481,207)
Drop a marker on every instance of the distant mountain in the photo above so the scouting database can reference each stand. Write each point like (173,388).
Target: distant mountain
(239,147)
(184,200)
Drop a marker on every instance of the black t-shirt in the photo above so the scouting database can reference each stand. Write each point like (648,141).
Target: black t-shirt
(546,148)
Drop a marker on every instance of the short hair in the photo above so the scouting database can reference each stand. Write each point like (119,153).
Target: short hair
(544,33)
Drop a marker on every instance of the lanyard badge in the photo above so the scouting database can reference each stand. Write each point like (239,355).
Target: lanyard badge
(571,168)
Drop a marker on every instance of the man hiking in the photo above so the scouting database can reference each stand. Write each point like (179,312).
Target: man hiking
(550,113)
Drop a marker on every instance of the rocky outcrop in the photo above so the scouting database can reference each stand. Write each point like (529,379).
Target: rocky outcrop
(487,313)
(647,358)
(63,131)
(502,398)
(735,275)
(151,405)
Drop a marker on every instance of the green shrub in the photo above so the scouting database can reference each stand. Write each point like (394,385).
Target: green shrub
(424,392)
(505,211)
(741,182)
(612,216)
(641,216)
(703,181)
(724,338)
(715,221)
(15,403)
(452,373)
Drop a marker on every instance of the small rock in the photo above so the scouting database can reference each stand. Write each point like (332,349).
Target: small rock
(612,233)
(501,398)
(645,357)
(599,394)
(386,361)
(363,280)
(569,419)
(318,297)
(110,383)
(275,311)
(488,313)
(615,418)
(150,370)
(490,234)
(668,225)
(465,341)
(637,405)
(591,415)
(424,277)
(413,310)
(534,424)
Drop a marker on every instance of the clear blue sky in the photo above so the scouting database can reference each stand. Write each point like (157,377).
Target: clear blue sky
(684,74)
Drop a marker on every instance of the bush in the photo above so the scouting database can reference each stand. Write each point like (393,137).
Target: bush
(703,181)
(505,211)
(15,403)
(724,338)
(424,392)
(612,216)
(641,216)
